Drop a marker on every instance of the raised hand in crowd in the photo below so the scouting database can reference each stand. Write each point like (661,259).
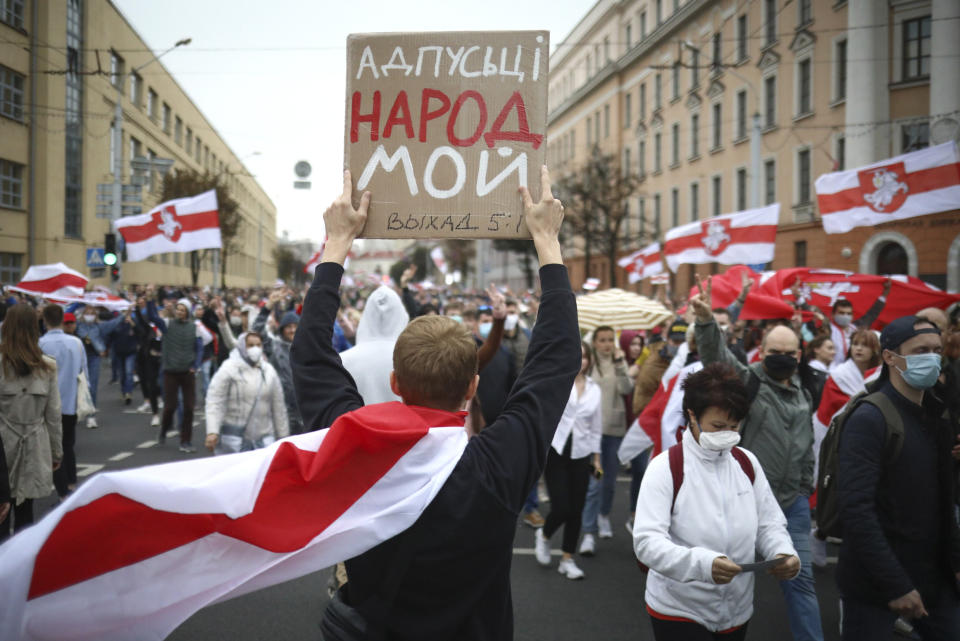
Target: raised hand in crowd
(408,275)
(543,219)
(343,222)
(275,297)
(701,303)
(497,302)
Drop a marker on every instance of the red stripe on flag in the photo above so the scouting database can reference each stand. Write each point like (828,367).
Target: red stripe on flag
(738,235)
(302,493)
(190,222)
(917,183)
(54,283)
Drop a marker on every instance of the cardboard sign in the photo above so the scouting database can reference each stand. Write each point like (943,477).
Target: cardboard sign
(442,129)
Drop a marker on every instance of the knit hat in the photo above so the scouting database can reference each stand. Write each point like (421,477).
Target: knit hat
(186,303)
(69,317)
(289,318)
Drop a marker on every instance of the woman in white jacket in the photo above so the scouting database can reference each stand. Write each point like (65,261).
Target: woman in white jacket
(573,454)
(700,517)
(245,407)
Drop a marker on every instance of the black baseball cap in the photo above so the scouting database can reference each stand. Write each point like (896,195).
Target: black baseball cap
(902,329)
(678,330)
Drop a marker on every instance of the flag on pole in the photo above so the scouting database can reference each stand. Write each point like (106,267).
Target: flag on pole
(179,225)
(132,554)
(591,284)
(914,184)
(742,237)
(51,280)
(642,263)
(438,259)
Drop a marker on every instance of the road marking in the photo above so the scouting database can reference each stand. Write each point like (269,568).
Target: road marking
(120,456)
(146,444)
(531,552)
(86,469)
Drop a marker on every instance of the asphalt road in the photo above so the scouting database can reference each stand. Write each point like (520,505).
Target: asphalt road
(607,605)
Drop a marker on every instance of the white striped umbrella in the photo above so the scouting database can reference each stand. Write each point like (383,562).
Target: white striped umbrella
(620,310)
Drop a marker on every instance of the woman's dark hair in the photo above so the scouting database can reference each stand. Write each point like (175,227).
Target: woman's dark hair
(816,344)
(594,361)
(20,346)
(716,385)
(588,352)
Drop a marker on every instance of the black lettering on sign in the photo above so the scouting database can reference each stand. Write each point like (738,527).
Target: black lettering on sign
(447,223)
(464,224)
(412,224)
(431,223)
(393,222)
(494,224)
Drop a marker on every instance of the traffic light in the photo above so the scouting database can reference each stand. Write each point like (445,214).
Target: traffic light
(114,273)
(110,253)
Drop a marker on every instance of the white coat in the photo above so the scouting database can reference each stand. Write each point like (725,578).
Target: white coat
(717,513)
(582,417)
(371,360)
(231,395)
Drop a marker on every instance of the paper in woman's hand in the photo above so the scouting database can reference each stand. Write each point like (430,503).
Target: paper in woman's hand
(763,565)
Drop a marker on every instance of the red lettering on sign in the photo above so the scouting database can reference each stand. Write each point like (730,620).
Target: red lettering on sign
(400,105)
(455,111)
(356,117)
(522,135)
(426,115)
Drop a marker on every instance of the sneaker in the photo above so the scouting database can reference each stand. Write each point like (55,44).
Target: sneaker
(588,546)
(91,423)
(187,448)
(542,548)
(155,421)
(145,408)
(533,519)
(570,570)
(629,526)
(127,399)
(604,527)
(818,550)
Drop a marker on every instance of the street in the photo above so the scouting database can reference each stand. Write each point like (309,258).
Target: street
(608,604)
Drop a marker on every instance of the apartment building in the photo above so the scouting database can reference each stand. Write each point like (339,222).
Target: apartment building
(671,89)
(63,66)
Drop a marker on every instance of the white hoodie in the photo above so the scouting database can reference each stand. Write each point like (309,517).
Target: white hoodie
(371,360)
(717,513)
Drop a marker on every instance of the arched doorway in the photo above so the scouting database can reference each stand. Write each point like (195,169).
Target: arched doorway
(892,259)
(888,252)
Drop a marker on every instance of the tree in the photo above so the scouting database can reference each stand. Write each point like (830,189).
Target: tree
(520,246)
(596,200)
(289,265)
(184,183)
(460,253)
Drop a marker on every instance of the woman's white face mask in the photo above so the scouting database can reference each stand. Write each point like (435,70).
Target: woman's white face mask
(254,354)
(719,441)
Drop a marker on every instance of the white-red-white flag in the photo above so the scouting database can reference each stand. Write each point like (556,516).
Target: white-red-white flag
(311,265)
(742,237)
(132,554)
(591,284)
(51,280)
(914,184)
(438,259)
(178,225)
(642,263)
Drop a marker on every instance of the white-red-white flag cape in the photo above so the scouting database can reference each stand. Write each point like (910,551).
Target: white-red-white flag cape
(642,263)
(132,554)
(178,225)
(914,184)
(51,280)
(742,237)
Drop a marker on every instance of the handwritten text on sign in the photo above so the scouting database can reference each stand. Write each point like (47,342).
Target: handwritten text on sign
(442,128)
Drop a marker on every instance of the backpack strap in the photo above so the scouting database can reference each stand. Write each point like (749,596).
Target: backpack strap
(894,423)
(676,470)
(745,464)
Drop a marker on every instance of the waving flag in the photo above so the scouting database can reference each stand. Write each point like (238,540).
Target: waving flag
(96,299)
(642,263)
(132,554)
(758,305)
(311,265)
(914,184)
(438,259)
(741,237)
(179,225)
(51,281)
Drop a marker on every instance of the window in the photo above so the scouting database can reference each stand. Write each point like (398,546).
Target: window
(189,140)
(805,11)
(642,202)
(657,91)
(589,66)
(606,49)
(741,115)
(116,70)
(674,207)
(769,182)
(627,109)
(803,177)
(642,158)
(151,175)
(659,12)
(741,189)
(770,21)
(717,196)
(804,99)
(573,143)
(11,12)
(206,157)
(841,153)
(167,116)
(892,259)
(11,184)
(606,121)
(11,265)
(675,145)
(770,101)
(596,57)
(589,129)
(152,105)
(136,89)
(695,201)
(694,135)
(136,149)
(11,93)
(178,131)
(643,25)
(73,130)
(840,73)
(717,52)
(656,215)
(695,70)
(914,136)
(656,152)
(628,35)
(742,38)
(916,48)
(199,150)
(800,253)
(675,81)
(596,128)
(643,101)
(717,125)
(626,161)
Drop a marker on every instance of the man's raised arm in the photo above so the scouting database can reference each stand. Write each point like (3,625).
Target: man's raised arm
(325,390)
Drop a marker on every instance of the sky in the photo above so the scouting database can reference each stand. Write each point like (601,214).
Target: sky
(271,77)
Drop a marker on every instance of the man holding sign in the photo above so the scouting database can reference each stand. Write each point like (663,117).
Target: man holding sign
(448,575)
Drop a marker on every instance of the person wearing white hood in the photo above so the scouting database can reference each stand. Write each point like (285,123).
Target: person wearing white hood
(370,361)
(245,407)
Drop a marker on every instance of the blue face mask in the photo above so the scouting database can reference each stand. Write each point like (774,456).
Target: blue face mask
(485,329)
(922,370)
(457,317)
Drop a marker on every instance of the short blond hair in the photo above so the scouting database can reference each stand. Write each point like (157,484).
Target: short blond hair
(435,360)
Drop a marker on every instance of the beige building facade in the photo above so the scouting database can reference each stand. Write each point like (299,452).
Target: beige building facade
(671,89)
(61,65)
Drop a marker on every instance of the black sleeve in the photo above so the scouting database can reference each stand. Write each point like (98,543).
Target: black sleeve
(868,319)
(860,461)
(512,451)
(4,478)
(413,307)
(324,389)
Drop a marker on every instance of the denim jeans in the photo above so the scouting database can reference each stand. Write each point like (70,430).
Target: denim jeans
(116,366)
(803,610)
(206,373)
(128,365)
(600,493)
(637,468)
(532,502)
(93,375)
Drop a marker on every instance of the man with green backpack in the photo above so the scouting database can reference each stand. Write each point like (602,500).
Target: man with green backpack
(887,481)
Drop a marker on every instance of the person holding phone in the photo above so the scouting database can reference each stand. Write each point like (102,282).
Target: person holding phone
(574,454)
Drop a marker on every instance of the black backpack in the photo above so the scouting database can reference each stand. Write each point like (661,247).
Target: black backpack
(828,509)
